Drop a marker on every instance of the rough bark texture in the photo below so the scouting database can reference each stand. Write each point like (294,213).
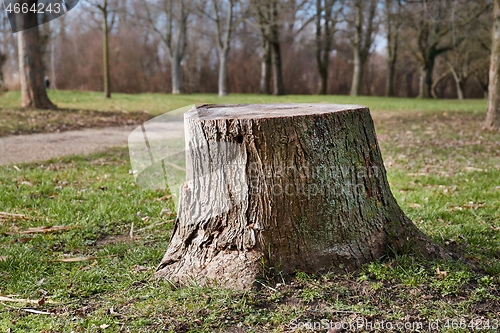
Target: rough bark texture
(302,187)
(493,115)
(31,72)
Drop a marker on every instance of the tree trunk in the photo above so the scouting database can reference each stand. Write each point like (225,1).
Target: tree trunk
(176,75)
(389,80)
(284,187)
(321,48)
(53,79)
(393,22)
(357,74)
(426,80)
(484,84)
(493,115)
(265,69)
(323,81)
(460,89)
(409,84)
(105,32)
(278,88)
(3,60)
(31,71)
(223,55)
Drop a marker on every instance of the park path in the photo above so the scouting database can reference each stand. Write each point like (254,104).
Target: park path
(43,146)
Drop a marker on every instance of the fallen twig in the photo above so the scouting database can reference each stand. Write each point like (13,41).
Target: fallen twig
(42,230)
(21,300)
(37,311)
(78,259)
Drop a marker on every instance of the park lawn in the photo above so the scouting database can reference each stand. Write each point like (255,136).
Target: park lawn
(157,103)
(443,169)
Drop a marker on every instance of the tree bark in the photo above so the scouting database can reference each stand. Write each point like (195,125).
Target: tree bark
(284,188)
(493,114)
(31,71)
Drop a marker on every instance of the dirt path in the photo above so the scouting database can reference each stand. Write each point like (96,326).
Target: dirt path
(41,147)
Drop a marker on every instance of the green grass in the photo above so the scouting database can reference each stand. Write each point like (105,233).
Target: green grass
(443,170)
(159,103)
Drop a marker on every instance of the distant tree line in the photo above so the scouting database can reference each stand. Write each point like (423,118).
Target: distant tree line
(407,48)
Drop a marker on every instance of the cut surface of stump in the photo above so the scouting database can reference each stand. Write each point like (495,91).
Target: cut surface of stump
(284,187)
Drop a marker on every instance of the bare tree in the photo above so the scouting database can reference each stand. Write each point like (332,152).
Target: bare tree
(31,71)
(493,115)
(268,22)
(103,7)
(169,20)
(482,78)
(433,22)
(327,16)
(472,55)
(223,42)
(464,62)
(393,22)
(225,24)
(364,28)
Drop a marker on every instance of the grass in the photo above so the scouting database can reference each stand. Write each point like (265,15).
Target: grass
(443,169)
(159,103)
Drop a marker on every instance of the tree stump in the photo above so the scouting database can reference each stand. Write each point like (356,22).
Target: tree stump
(285,187)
